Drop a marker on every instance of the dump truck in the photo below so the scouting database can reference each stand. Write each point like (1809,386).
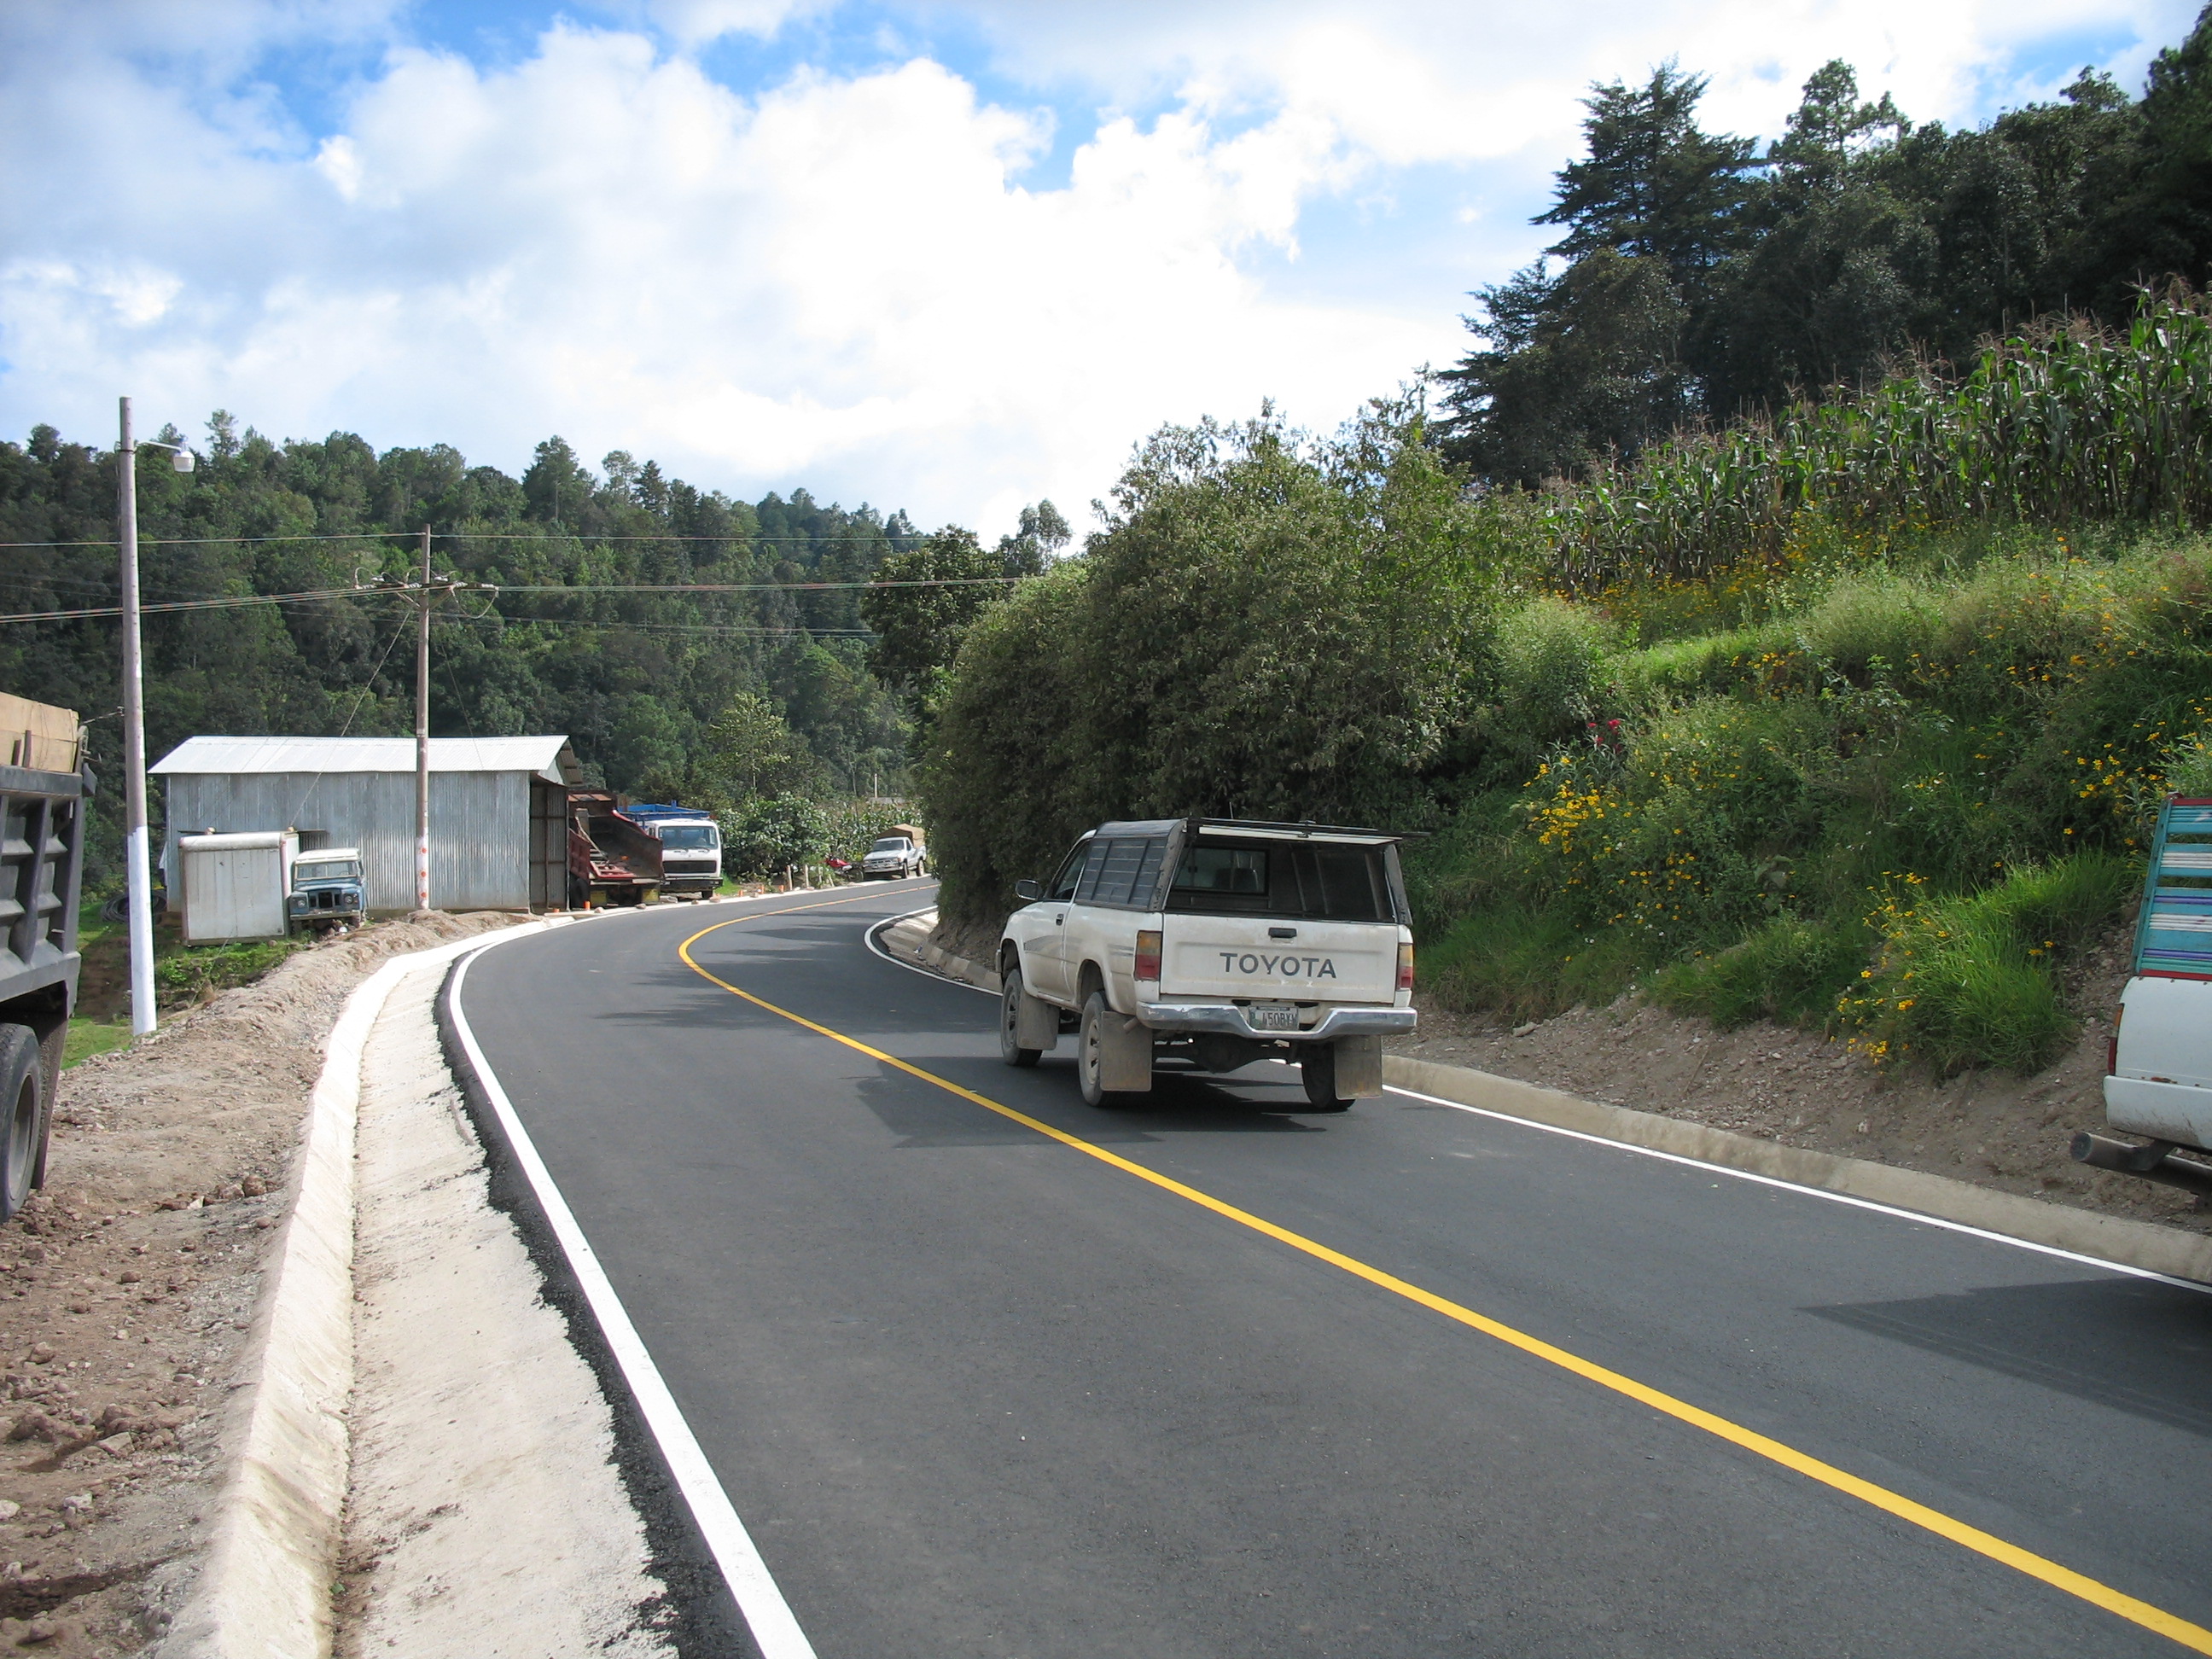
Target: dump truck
(43,794)
(613,858)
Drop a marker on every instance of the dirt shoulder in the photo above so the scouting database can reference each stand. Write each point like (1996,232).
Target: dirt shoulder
(1799,1089)
(126,1287)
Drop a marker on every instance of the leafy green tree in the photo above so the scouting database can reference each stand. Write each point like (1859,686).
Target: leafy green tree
(766,836)
(751,744)
(1267,627)
(919,627)
(1655,185)
(1579,369)
(1039,535)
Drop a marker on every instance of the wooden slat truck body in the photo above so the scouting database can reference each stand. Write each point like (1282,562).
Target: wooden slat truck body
(42,806)
(2158,1081)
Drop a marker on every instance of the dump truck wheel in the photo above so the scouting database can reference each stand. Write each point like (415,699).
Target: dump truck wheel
(22,1098)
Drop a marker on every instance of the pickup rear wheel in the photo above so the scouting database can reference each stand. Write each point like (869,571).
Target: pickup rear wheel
(1318,1065)
(1010,1013)
(1089,1058)
(22,1098)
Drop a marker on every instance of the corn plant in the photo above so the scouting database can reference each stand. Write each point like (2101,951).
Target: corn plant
(2069,424)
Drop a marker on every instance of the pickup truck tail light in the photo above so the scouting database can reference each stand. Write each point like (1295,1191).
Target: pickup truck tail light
(1148,953)
(1406,965)
(2112,1045)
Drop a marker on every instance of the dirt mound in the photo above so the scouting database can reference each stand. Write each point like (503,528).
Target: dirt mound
(125,1286)
(1797,1088)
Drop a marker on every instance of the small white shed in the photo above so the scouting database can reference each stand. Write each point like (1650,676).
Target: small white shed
(234,885)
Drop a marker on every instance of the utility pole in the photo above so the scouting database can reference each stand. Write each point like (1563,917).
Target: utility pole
(424,595)
(137,861)
(422,735)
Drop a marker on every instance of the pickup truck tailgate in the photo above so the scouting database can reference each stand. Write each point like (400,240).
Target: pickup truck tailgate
(1237,957)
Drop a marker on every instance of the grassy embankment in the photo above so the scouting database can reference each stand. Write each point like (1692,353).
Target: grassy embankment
(183,975)
(1859,720)
(1889,805)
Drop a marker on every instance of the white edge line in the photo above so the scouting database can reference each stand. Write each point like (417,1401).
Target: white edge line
(1915,1216)
(774,1628)
(868,938)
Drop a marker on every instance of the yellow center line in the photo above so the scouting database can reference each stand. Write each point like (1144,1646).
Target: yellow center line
(2194,1637)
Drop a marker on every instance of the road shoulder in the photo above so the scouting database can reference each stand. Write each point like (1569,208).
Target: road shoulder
(485,1511)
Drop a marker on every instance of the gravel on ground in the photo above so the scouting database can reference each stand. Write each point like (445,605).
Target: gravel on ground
(127,1284)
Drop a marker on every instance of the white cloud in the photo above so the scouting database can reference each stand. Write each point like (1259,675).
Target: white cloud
(854,282)
(840,282)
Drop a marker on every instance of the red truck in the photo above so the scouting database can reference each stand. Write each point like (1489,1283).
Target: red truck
(613,858)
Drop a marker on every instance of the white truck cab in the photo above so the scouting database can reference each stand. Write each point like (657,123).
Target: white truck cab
(1211,944)
(690,848)
(2160,1068)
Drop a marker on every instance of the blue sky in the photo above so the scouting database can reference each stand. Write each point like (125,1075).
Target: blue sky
(954,256)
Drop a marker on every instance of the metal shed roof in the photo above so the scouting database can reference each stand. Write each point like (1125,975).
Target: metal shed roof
(548,757)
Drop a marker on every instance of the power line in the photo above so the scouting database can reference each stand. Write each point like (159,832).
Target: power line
(667,628)
(233,601)
(477,536)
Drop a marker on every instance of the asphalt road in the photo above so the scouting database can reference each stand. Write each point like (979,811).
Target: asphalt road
(977,1393)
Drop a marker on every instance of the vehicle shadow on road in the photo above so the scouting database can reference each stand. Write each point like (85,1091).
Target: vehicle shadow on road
(2134,1345)
(925,1115)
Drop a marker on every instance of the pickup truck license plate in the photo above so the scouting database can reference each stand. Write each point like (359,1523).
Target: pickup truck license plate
(1273,1016)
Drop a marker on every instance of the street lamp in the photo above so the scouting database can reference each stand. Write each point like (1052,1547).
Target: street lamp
(136,861)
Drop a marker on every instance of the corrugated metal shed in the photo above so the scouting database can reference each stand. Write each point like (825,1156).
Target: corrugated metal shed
(549,758)
(498,809)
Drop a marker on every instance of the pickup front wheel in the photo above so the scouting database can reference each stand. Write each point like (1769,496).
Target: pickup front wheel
(1010,1021)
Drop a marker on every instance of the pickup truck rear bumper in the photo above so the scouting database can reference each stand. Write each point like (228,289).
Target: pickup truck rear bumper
(1228,1019)
(2165,1111)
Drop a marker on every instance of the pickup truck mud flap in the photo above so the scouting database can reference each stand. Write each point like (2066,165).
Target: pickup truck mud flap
(1125,1055)
(1358,1068)
(1037,1024)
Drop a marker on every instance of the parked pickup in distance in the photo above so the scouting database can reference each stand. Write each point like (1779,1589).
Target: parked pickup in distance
(895,857)
(2159,1065)
(1211,944)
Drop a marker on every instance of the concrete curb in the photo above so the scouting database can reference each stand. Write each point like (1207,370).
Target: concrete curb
(2108,1238)
(908,937)
(263,1587)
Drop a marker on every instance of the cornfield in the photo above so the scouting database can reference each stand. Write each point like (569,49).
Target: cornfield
(2066,425)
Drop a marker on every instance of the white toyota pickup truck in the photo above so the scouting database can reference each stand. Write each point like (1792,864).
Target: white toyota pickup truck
(1211,944)
(2160,1069)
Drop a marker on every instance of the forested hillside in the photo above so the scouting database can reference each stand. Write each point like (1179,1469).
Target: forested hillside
(1699,276)
(712,695)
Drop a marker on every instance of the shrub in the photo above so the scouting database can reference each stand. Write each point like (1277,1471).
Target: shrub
(766,835)
(1967,981)
(1790,970)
